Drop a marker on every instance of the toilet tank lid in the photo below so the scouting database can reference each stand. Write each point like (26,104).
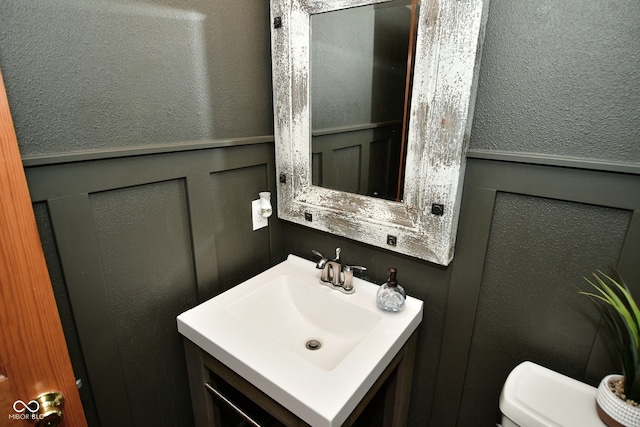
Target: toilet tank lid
(534,396)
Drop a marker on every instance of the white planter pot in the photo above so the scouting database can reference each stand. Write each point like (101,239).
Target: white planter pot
(614,411)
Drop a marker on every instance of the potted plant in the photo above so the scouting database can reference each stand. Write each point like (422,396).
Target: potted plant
(618,396)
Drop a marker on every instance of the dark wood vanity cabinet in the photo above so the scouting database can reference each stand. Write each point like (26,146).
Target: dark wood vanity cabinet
(219,395)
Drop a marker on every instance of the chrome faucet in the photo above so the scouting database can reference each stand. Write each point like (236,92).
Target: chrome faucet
(335,274)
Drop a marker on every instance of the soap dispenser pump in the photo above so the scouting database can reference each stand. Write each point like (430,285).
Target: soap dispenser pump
(391,296)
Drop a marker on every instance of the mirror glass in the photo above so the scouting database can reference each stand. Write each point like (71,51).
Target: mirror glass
(360,83)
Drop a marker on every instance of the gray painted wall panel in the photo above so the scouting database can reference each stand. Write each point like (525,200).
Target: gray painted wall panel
(145,248)
(64,309)
(529,307)
(241,252)
(548,185)
(156,234)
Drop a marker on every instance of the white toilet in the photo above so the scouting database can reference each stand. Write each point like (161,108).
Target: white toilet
(534,396)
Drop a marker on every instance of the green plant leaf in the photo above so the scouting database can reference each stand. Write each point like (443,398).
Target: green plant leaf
(626,293)
(612,298)
(621,317)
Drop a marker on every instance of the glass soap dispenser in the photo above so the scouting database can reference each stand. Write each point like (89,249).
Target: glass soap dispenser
(391,296)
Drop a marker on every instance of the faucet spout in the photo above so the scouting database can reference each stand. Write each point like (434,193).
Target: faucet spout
(332,273)
(335,274)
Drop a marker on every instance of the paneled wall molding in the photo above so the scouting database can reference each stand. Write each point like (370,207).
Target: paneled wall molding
(354,128)
(551,160)
(202,220)
(80,260)
(69,183)
(62,179)
(138,150)
(488,174)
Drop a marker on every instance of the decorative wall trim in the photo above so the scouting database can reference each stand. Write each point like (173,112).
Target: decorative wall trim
(355,128)
(77,177)
(551,160)
(139,150)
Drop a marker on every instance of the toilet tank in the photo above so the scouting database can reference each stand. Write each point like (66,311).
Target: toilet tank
(534,396)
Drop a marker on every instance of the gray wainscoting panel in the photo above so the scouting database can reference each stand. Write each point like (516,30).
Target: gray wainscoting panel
(241,252)
(454,351)
(132,239)
(145,247)
(347,165)
(528,233)
(202,220)
(76,239)
(64,309)
(529,307)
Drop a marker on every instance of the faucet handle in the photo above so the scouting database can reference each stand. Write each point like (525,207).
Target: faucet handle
(348,277)
(321,263)
(337,258)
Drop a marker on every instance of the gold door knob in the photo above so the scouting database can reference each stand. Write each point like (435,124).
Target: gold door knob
(49,412)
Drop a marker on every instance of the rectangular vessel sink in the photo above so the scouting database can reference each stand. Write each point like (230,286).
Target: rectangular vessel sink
(314,350)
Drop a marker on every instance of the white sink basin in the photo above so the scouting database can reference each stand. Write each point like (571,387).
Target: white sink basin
(293,315)
(261,328)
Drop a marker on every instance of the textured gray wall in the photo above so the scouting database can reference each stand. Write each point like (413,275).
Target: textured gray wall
(84,75)
(561,78)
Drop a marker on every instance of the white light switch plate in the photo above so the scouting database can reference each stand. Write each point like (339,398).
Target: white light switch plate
(258,221)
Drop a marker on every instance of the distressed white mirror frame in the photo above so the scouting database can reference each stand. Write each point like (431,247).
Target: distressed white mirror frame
(448,50)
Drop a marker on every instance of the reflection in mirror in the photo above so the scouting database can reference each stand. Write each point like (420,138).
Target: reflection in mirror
(360,78)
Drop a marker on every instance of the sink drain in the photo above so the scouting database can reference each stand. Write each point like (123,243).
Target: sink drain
(313,344)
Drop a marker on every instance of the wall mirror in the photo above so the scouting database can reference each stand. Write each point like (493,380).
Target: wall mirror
(373,101)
